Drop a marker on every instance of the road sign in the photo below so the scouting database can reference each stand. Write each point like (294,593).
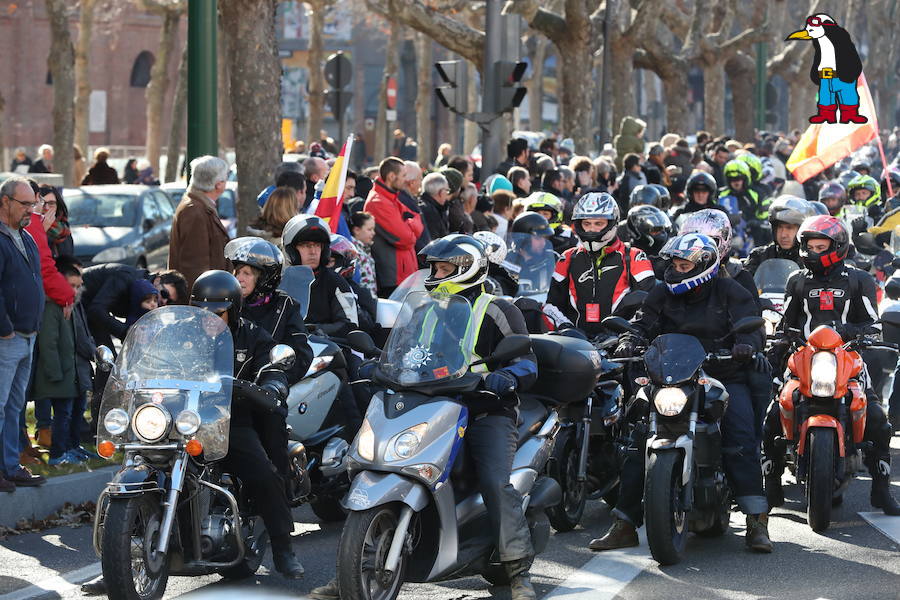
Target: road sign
(338,101)
(338,70)
(391,93)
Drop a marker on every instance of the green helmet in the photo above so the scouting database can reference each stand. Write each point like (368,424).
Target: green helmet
(546,201)
(754,163)
(864,182)
(737,169)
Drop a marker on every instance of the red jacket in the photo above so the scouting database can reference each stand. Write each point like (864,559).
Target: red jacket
(396,230)
(55,285)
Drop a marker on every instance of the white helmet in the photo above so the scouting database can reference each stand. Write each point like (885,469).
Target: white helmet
(494,245)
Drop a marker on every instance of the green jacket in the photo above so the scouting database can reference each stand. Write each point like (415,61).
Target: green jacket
(629,139)
(54,376)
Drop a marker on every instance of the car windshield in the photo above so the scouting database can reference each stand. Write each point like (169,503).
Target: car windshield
(102,210)
(225,205)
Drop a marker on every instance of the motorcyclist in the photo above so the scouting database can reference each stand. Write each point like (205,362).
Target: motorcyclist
(693,295)
(665,198)
(332,305)
(551,208)
(830,292)
(754,163)
(499,273)
(530,250)
(342,260)
(701,192)
(786,214)
(649,229)
(459,265)
(834,196)
(592,278)
(743,203)
(865,191)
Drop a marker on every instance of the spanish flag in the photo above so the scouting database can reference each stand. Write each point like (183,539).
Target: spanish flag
(329,203)
(824,144)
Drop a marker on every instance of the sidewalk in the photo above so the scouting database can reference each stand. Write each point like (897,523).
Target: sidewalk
(38,502)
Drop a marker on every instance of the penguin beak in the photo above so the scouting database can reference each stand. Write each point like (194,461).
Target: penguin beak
(799,35)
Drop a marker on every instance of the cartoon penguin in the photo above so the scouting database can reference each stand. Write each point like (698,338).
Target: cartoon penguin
(835,69)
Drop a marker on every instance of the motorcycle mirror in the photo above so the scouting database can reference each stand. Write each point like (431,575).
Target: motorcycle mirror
(362,342)
(282,356)
(630,303)
(748,325)
(105,358)
(510,347)
(892,288)
(618,325)
(891,317)
(896,263)
(865,243)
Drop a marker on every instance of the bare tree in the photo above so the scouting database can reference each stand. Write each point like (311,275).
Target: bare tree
(179,118)
(424,98)
(61,63)
(255,97)
(315,60)
(390,70)
(628,27)
(82,73)
(535,83)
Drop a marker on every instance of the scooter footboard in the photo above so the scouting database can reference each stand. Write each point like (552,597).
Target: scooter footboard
(370,489)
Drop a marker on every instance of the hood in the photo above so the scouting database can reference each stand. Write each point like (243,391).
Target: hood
(91,240)
(632,126)
(137,291)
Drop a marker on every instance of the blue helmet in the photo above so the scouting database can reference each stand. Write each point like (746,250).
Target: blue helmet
(699,249)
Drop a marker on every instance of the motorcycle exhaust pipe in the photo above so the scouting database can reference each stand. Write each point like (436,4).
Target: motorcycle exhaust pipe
(585,441)
(393,557)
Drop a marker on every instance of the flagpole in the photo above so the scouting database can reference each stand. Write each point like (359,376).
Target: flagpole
(874,118)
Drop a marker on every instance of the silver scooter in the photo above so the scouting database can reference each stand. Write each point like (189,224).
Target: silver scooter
(415,511)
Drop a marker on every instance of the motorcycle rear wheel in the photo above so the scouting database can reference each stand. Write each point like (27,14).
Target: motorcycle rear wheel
(362,552)
(666,522)
(820,481)
(133,569)
(563,467)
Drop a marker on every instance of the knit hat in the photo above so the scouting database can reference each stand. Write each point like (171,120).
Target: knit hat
(454,178)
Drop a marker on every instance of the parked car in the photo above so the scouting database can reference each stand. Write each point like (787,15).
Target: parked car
(226,205)
(127,224)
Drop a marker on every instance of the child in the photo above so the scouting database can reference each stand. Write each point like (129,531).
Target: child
(362,226)
(144,298)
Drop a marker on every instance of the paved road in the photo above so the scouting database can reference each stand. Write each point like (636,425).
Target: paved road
(852,560)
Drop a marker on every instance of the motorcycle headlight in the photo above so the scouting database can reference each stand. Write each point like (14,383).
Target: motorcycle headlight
(407,442)
(116,421)
(365,441)
(670,401)
(151,422)
(187,422)
(823,374)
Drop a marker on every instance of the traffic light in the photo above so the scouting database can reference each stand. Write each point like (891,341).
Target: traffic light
(508,75)
(448,92)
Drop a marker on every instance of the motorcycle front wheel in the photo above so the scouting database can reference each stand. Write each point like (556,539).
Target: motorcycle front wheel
(362,553)
(563,467)
(664,517)
(133,568)
(820,481)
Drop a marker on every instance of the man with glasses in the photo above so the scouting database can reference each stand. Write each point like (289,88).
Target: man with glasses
(21,309)
(433,204)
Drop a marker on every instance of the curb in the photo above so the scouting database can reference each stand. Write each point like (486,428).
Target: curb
(39,502)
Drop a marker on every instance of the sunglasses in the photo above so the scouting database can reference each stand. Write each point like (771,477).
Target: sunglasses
(817,22)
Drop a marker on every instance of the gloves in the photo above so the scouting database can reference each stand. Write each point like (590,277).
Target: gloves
(847,332)
(366,369)
(625,349)
(761,363)
(277,389)
(859,225)
(501,382)
(742,352)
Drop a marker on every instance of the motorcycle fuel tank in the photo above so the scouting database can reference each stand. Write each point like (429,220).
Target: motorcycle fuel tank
(309,403)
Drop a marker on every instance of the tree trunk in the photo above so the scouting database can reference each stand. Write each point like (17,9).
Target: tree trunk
(714,98)
(82,75)
(179,118)
(576,94)
(424,99)
(255,97)
(224,114)
(801,103)
(536,85)
(382,136)
(471,132)
(61,63)
(159,86)
(622,84)
(741,70)
(315,58)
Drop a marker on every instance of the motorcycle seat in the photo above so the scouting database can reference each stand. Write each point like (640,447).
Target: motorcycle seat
(531,416)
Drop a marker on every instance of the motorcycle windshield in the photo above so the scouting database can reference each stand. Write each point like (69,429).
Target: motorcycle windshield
(772,275)
(530,262)
(674,358)
(851,212)
(895,241)
(296,282)
(180,358)
(432,340)
(413,283)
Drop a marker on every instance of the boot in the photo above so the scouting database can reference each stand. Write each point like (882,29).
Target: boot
(621,534)
(519,581)
(826,114)
(43,438)
(329,591)
(286,563)
(757,538)
(881,489)
(850,114)
(94,587)
(26,458)
(772,479)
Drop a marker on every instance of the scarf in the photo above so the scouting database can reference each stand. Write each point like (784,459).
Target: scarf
(58,232)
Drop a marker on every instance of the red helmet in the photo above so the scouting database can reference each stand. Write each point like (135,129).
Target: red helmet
(823,227)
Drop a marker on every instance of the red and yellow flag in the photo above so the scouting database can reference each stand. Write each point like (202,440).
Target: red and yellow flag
(824,144)
(329,204)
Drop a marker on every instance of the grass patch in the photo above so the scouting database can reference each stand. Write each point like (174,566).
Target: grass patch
(56,471)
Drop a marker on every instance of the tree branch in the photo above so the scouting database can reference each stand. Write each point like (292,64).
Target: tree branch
(540,19)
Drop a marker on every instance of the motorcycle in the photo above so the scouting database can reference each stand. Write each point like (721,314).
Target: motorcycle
(685,487)
(771,280)
(415,512)
(171,509)
(823,417)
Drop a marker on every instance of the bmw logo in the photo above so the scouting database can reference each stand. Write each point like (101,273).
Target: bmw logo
(399,406)
(303,408)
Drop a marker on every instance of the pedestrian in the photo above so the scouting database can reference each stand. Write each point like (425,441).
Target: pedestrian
(198,238)
(280,207)
(516,156)
(21,162)
(468,199)
(362,227)
(59,235)
(502,212)
(287,174)
(45,163)
(443,155)
(433,204)
(131,171)
(100,172)
(314,170)
(520,180)
(21,308)
(631,177)
(396,228)
(144,298)
(79,164)
(629,141)
(145,173)
(464,166)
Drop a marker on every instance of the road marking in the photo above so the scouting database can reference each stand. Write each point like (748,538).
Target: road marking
(57,584)
(889,526)
(605,575)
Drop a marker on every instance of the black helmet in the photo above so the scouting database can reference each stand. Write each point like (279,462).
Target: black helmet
(792,210)
(463,251)
(846,177)
(263,256)
(824,228)
(218,292)
(345,255)
(649,228)
(698,181)
(532,224)
(818,207)
(596,205)
(665,199)
(306,228)
(643,194)
(859,166)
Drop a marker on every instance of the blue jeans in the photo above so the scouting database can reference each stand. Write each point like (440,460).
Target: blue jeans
(834,91)
(740,451)
(15,369)
(62,426)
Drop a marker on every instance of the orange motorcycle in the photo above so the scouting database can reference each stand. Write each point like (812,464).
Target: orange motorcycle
(823,418)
